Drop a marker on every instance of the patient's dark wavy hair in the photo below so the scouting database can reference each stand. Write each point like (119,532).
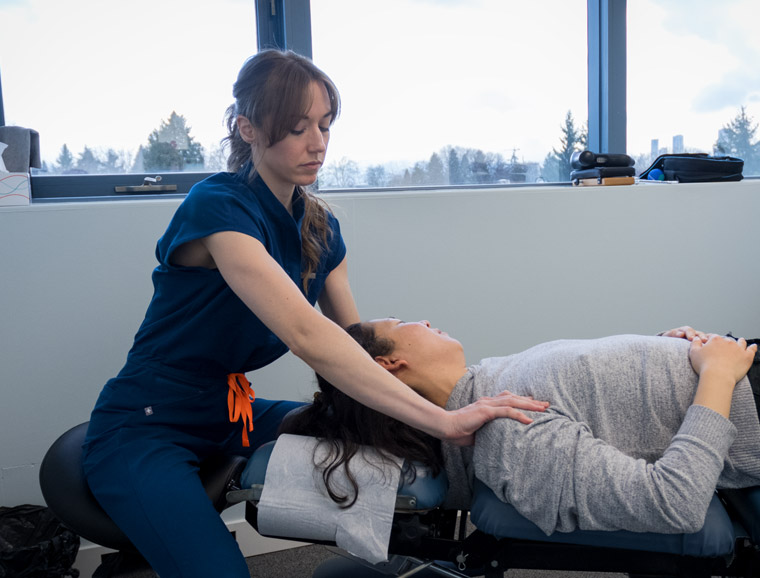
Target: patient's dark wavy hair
(344,425)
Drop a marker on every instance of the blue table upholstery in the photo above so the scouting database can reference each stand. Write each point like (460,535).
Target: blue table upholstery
(429,491)
(717,538)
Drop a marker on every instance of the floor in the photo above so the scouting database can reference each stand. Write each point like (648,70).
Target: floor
(302,563)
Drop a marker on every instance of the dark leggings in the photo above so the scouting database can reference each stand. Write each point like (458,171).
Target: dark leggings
(753,375)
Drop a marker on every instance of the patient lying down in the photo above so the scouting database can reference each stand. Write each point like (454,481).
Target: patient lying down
(639,432)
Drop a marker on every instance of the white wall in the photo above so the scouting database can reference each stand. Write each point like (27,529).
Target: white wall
(500,269)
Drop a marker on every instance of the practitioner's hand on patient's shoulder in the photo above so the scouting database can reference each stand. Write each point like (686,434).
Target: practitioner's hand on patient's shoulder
(722,356)
(470,418)
(685,332)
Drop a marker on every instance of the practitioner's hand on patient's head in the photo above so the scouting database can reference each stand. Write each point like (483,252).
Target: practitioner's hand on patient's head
(723,355)
(685,332)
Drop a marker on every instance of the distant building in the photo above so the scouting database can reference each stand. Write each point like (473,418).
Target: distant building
(678,144)
(655,148)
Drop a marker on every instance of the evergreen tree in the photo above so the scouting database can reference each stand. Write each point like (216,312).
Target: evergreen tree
(737,139)
(88,162)
(162,156)
(171,148)
(65,161)
(418,176)
(479,168)
(455,168)
(435,170)
(465,170)
(113,163)
(572,140)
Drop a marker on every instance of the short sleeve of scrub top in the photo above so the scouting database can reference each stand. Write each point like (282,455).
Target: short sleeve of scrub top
(195,321)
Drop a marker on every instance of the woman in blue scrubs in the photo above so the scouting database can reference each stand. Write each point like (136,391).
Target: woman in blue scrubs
(244,260)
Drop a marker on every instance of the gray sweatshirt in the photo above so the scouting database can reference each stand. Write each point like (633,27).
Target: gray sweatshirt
(620,447)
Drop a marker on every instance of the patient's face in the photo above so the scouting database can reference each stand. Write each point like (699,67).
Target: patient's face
(418,339)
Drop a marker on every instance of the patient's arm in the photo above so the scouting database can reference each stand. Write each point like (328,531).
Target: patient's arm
(596,486)
(561,477)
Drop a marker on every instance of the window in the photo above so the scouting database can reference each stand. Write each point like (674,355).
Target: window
(693,84)
(140,86)
(452,92)
(435,92)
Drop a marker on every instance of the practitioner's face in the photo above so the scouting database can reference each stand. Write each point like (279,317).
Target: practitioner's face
(296,159)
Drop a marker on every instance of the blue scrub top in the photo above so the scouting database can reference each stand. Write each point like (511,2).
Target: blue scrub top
(195,323)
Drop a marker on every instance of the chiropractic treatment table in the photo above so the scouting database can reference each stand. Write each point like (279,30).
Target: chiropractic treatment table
(425,539)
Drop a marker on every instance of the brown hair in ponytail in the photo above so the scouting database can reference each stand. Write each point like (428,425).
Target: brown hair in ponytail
(272,92)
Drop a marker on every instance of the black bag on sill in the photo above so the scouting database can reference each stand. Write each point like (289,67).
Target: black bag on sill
(694,168)
(34,544)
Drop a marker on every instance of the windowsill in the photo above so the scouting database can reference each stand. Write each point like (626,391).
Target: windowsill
(354,194)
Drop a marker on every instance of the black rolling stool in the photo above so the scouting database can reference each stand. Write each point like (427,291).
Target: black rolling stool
(68,496)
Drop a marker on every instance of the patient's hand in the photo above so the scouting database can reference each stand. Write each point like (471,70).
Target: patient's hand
(720,363)
(685,332)
(723,355)
(470,418)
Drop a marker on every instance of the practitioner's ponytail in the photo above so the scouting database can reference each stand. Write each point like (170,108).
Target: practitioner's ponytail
(272,92)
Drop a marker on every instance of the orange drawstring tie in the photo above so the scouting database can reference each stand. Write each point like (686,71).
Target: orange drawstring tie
(239,400)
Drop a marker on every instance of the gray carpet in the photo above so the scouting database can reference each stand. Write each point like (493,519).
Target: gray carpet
(295,563)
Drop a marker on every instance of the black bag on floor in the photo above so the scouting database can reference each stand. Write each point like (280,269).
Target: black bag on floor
(34,544)
(694,168)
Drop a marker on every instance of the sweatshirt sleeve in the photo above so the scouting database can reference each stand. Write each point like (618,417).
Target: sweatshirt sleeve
(558,475)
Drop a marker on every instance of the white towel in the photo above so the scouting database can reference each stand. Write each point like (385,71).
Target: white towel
(295,503)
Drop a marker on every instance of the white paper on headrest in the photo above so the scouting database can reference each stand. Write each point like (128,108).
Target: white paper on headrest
(3,146)
(295,503)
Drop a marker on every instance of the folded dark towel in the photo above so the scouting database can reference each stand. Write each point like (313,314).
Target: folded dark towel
(23,149)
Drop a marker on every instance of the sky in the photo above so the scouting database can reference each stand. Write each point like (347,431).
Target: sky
(414,75)
(691,65)
(106,73)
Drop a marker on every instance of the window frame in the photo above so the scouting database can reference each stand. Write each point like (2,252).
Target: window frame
(607,57)
(2,110)
(286,24)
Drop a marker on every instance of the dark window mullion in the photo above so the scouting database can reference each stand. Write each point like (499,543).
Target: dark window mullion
(2,111)
(284,24)
(607,118)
